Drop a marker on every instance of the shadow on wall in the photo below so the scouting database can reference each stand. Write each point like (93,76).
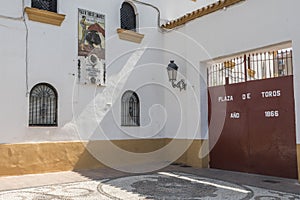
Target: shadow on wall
(19,159)
(116,159)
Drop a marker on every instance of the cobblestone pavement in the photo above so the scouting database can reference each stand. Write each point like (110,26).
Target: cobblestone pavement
(166,185)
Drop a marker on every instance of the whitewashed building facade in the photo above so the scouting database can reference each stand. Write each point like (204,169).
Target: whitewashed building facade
(89,129)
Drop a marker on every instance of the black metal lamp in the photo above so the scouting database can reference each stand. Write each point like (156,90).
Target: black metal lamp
(172,73)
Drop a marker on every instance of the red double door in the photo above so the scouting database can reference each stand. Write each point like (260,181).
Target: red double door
(252,127)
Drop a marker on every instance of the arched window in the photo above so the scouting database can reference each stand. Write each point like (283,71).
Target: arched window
(43,105)
(128,17)
(130,109)
(50,5)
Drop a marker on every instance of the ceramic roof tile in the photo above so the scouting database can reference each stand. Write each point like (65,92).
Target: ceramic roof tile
(199,13)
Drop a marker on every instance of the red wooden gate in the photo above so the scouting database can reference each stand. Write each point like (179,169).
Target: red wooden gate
(258,135)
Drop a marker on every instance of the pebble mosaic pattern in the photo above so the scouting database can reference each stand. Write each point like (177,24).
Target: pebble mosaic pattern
(158,186)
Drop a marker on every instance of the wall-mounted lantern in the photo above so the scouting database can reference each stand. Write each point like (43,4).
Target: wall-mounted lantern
(172,73)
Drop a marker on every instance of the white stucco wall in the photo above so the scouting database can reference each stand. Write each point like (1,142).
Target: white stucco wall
(52,53)
(12,8)
(245,26)
(52,58)
(172,9)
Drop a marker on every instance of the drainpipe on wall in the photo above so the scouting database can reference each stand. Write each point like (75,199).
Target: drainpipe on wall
(22,18)
(158,15)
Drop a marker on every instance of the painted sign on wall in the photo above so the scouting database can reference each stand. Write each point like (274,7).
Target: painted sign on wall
(258,134)
(91,47)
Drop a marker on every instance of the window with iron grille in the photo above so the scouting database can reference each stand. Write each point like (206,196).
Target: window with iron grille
(130,109)
(50,5)
(43,105)
(128,17)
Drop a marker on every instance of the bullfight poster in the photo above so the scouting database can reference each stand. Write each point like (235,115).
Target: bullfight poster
(91,48)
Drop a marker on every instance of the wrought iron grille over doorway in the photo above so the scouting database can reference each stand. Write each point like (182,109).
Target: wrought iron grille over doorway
(251,99)
(250,67)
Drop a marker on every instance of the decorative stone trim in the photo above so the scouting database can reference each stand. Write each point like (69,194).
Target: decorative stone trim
(44,16)
(130,35)
(199,13)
